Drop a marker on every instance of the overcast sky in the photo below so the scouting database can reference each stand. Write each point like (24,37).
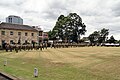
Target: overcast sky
(96,14)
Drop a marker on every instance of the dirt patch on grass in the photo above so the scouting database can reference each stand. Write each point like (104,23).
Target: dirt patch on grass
(58,63)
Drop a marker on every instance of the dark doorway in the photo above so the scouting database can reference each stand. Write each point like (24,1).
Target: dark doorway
(3,44)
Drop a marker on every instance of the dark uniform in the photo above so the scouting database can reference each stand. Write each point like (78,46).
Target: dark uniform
(11,48)
(41,46)
(7,47)
(16,48)
(46,45)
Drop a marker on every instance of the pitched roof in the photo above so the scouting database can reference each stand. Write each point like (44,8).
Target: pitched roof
(16,27)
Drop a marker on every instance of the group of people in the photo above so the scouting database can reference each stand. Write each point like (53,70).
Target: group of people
(41,46)
(18,47)
(67,45)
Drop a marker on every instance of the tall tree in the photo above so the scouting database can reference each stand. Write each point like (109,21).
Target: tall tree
(78,28)
(69,27)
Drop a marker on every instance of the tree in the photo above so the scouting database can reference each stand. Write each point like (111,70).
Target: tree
(59,29)
(103,35)
(118,41)
(94,37)
(99,36)
(69,27)
(112,40)
(51,35)
(78,28)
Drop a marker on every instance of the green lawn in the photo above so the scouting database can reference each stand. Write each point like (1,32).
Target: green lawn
(83,63)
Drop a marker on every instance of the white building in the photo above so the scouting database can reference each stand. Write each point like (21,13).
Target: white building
(14,19)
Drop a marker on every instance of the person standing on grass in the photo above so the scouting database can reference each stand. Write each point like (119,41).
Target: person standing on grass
(16,48)
(51,45)
(10,47)
(7,47)
(46,45)
(41,46)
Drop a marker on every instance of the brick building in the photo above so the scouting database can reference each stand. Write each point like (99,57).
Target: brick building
(16,33)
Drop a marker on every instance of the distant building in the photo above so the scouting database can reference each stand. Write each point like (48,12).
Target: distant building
(40,33)
(42,36)
(14,19)
(45,36)
(85,39)
(16,33)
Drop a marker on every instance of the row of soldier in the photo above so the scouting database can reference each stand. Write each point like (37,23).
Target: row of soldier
(67,45)
(41,46)
(18,47)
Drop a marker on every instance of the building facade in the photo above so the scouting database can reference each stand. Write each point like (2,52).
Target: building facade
(42,36)
(14,19)
(15,33)
(45,36)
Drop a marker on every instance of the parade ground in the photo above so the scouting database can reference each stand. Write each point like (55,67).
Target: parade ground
(80,63)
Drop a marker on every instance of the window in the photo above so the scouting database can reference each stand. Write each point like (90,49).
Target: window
(19,33)
(45,34)
(11,42)
(32,34)
(3,33)
(26,41)
(10,20)
(11,32)
(26,34)
(40,33)
(32,42)
(3,44)
(3,41)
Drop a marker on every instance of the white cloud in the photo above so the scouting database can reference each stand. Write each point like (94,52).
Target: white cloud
(96,14)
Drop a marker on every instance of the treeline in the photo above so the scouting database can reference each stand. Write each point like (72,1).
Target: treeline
(70,28)
(98,37)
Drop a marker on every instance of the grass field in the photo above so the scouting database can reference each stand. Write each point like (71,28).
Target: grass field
(83,63)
